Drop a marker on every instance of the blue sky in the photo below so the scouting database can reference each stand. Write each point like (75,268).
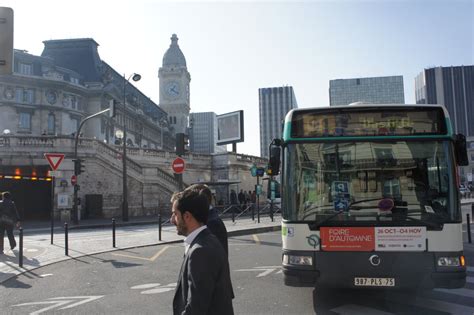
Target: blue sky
(232,48)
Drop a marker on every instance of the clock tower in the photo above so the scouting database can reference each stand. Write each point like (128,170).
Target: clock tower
(174,87)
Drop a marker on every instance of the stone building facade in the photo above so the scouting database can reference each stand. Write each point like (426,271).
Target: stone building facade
(43,103)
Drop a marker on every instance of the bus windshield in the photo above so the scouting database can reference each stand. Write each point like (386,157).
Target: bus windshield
(390,181)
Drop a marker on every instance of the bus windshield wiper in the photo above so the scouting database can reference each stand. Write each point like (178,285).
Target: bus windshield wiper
(317,225)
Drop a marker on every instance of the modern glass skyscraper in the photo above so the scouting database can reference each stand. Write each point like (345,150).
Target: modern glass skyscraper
(203,133)
(452,87)
(274,104)
(377,90)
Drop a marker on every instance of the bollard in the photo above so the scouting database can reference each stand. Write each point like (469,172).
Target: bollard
(468,223)
(159,226)
(66,250)
(271,209)
(113,233)
(233,216)
(21,247)
(253,213)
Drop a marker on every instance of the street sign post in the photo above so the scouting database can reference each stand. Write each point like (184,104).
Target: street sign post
(54,159)
(178,165)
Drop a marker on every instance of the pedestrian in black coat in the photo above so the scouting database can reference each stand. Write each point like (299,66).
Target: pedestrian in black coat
(8,219)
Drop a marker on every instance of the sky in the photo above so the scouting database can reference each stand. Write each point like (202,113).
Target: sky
(233,48)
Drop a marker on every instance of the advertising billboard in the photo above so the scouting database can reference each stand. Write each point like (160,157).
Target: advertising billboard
(230,127)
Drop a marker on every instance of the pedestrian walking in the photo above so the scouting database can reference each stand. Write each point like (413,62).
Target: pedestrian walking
(204,285)
(233,197)
(241,198)
(8,219)
(214,222)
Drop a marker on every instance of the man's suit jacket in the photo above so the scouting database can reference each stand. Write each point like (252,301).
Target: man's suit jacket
(204,285)
(217,227)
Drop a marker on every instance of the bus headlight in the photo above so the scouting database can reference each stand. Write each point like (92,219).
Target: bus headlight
(297,260)
(449,262)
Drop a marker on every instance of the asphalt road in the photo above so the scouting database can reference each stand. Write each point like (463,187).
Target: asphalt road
(142,281)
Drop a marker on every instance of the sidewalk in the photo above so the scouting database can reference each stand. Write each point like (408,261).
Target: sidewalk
(95,236)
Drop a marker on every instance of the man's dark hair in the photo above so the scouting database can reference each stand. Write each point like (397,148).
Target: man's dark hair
(6,195)
(202,189)
(193,202)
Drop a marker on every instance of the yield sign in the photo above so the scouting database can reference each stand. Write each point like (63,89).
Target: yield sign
(54,159)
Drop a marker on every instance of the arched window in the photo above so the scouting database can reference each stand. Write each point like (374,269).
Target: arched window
(51,124)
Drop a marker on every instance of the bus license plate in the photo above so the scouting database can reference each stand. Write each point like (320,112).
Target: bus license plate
(374,282)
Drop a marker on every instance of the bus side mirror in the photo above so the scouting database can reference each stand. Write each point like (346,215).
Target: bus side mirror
(274,162)
(461,150)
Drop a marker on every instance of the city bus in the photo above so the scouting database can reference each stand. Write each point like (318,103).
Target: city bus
(370,197)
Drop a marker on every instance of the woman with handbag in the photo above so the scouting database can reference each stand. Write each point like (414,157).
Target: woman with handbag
(8,218)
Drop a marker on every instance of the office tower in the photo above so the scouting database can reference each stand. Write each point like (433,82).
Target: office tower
(274,104)
(452,87)
(376,90)
(203,132)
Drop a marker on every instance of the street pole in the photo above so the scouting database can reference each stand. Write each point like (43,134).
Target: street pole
(135,77)
(124,157)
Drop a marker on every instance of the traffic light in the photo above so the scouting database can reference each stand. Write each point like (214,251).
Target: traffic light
(274,161)
(6,40)
(181,143)
(78,167)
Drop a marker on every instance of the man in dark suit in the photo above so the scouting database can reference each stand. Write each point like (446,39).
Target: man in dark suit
(204,285)
(214,222)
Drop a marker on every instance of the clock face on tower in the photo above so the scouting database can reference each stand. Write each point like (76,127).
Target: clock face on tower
(173,89)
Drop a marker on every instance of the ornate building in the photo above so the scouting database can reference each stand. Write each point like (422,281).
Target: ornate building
(174,87)
(42,104)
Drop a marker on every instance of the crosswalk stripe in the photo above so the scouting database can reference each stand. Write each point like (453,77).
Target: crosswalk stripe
(353,309)
(470,279)
(471,269)
(444,306)
(461,292)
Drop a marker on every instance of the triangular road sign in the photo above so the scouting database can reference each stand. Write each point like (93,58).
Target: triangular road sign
(54,159)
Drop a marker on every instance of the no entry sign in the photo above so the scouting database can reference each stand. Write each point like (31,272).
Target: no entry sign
(178,165)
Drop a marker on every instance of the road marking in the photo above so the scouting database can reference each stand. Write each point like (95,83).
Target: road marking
(152,258)
(46,275)
(145,286)
(157,288)
(352,309)
(471,269)
(470,279)
(256,239)
(60,301)
(159,253)
(266,270)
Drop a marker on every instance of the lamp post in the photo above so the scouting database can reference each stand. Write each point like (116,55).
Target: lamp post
(135,77)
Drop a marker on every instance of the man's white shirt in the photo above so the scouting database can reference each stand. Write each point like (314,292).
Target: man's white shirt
(190,238)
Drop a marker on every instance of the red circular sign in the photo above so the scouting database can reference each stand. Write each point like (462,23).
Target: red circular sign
(178,165)
(73,180)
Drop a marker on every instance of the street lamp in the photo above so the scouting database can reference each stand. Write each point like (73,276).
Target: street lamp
(135,77)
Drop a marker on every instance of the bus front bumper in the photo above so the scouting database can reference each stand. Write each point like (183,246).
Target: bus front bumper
(408,271)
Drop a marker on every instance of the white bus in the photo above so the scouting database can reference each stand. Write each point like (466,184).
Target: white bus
(370,197)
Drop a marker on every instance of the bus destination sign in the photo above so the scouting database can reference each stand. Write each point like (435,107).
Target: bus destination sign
(389,122)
